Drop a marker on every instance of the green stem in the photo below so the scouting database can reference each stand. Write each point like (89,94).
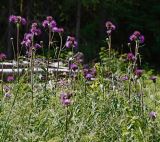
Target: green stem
(136,55)
(66,124)
(48,57)
(18,50)
(109,45)
(155,90)
(58,57)
(2,79)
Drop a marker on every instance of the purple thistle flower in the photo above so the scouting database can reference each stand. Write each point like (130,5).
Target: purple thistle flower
(12,19)
(49,23)
(85,71)
(57,30)
(124,78)
(28,36)
(132,37)
(6,88)
(75,44)
(68,44)
(45,23)
(37,46)
(27,40)
(130,57)
(141,39)
(23,21)
(65,99)
(2,56)
(137,33)
(71,42)
(10,78)
(89,73)
(153,115)
(53,24)
(137,36)
(34,25)
(35,31)
(153,78)
(66,102)
(138,72)
(26,43)
(49,18)
(17,19)
(110,27)
(88,76)
(7,95)
(74,67)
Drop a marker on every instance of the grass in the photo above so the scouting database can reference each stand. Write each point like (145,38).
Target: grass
(103,106)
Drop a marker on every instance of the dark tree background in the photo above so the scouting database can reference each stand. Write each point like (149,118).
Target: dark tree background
(86,19)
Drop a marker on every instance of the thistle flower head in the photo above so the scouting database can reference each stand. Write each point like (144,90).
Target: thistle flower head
(89,73)
(37,46)
(137,33)
(153,115)
(2,56)
(53,24)
(138,72)
(136,36)
(49,22)
(57,30)
(124,78)
(71,42)
(141,39)
(153,78)
(65,98)
(27,40)
(10,78)
(49,18)
(74,67)
(7,95)
(35,30)
(17,20)
(6,88)
(130,57)
(88,76)
(110,27)
(13,18)
(23,21)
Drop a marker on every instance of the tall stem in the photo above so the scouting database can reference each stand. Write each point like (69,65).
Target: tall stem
(18,50)
(66,125)
(48,57)
(136,55)
(32,69)
(109,45)
(2,80)
(129,89)
(155,101)
(60,49)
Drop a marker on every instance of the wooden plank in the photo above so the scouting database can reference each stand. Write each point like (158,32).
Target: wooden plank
(7,71)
